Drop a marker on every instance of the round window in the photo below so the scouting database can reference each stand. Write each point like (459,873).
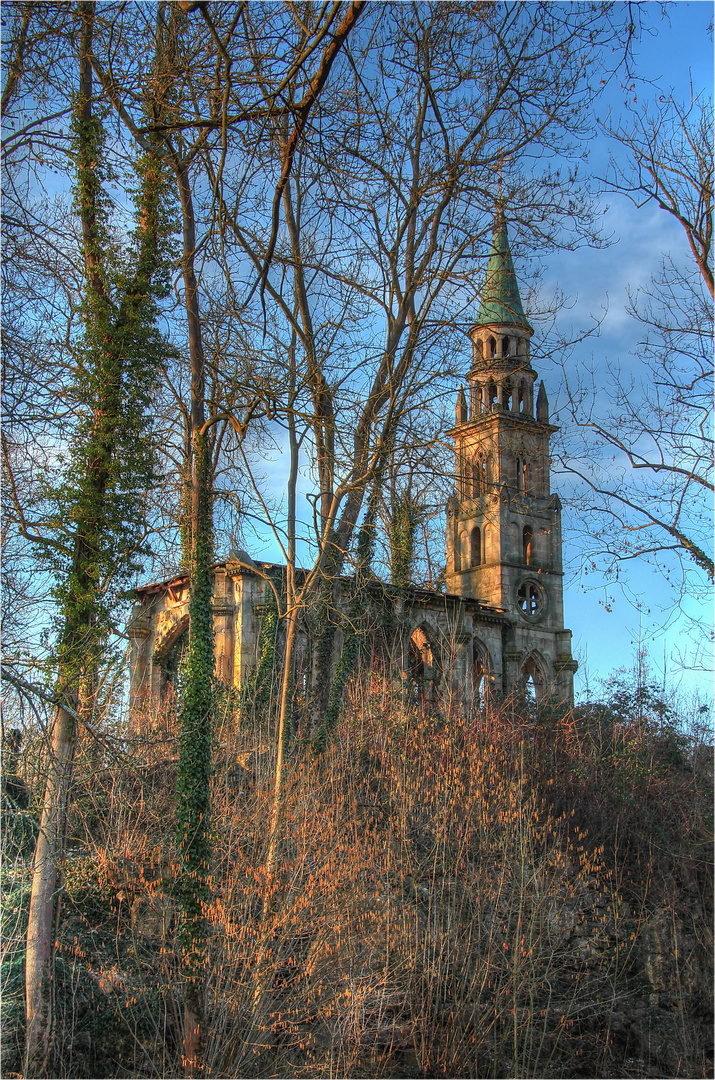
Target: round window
(530,599)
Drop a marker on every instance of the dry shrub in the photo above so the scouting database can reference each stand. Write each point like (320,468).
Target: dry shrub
(456,896)
(432,916)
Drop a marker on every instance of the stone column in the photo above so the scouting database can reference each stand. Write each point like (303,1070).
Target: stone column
(565,667)
(462,682)
(510,669)
(139,633)
(224,614)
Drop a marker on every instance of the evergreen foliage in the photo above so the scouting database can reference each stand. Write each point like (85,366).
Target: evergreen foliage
(405,518)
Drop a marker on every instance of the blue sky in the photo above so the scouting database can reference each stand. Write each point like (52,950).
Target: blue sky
(596,281)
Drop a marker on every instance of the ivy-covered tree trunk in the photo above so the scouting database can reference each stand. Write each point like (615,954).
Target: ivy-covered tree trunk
(195,711)
(194,798)
(405,517)
(110,468)
(337,679)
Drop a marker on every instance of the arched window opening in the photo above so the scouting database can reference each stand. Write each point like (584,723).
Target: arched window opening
(492,344)
(483,477)
(522,399)
(475,480)
(506,396)
(172,665)
(482,675)
(506,346)
(476,546)
(491,397)
(518,474)
(422,671)
(524,476)
(528,544)
(475,401)
(531,682)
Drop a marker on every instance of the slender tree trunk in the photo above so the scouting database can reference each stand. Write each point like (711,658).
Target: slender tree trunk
(41,920)
(284,716)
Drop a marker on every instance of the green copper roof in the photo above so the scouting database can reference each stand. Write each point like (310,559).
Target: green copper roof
(501,302)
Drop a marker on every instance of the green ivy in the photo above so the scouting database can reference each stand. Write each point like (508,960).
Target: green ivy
(195,719)
(257,688)
(404,521)
(100,501)
(352,645)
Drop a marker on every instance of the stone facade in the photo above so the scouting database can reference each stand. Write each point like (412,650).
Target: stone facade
(501,622)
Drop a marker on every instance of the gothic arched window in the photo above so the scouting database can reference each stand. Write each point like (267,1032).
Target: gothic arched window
(528,544)
(491,396)
(532,680)
(492,347)
(476,546)
(506,346)
(482,673)
(475,480)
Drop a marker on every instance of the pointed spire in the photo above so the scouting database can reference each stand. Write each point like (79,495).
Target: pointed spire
(542,405)
(501,302)
(461,407)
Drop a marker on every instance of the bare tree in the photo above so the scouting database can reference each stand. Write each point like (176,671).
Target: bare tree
(644,452)
(385,219)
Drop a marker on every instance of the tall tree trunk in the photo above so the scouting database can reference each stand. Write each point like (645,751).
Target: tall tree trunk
(284,715)
(193,811)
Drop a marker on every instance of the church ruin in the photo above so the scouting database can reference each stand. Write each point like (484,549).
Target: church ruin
(500,624)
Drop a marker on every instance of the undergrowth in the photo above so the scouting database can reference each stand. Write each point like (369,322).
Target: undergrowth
(494,895)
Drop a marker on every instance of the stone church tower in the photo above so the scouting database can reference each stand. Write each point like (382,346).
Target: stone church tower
(503,525)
